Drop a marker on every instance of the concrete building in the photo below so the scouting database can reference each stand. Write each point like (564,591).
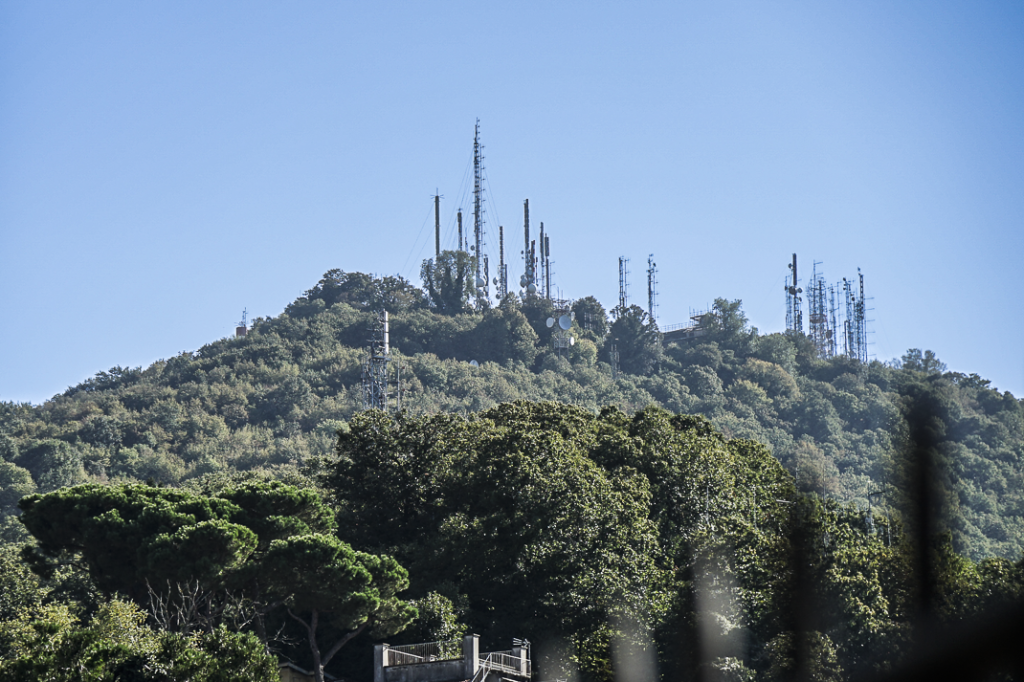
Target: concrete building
(450,662)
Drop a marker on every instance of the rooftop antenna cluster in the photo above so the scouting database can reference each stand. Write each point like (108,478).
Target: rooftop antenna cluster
(243,328)
(375,367)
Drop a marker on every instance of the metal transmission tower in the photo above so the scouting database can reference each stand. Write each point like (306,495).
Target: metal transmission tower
(857,314)
(502,281)
(528,280)
(375,367)
(545,258)
(652,286)
(482,291)
(794,314)
(819,328)
(855,327)
(461,245)
(623,282)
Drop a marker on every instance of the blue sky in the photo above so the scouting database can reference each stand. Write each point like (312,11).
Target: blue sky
(165,165)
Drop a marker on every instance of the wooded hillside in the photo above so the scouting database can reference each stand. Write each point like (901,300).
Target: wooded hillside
(270,401)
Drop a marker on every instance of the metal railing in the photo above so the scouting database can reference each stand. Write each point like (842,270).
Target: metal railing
(507,662)
(427,652)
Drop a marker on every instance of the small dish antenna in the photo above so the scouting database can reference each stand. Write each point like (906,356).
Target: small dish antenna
(474,363)
(550,322)
(565,322)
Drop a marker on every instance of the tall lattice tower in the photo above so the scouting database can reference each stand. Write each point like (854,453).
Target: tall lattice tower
(529,278)
(547,265)
(794,313)
(623,282)
(375,367)
(859,327)
(652,286)
(502,281)
(821,333)
(482,289)
(855,329)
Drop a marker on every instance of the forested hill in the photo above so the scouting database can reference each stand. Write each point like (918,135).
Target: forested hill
(276,397)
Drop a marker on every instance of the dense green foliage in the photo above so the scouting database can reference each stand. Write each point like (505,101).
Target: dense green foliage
(664,509)
(273,399)
(240,554)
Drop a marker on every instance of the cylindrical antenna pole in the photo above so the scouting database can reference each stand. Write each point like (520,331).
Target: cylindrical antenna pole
(502,281)
(547,265)
(437,224)
(526,238)
(542,278)
(460,230)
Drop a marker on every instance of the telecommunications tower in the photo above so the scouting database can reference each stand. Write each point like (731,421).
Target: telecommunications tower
(794,314)
(623,283)
(652,286)
(375,367)
(820,326)
(502,281)
(528,280)
(478,215)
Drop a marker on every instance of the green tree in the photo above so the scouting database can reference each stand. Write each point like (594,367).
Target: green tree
(637,338)
(318,575)
(591,316)
(448,281)
(49,643)
(504,335)
(926,362)
(15,483)
(363,292)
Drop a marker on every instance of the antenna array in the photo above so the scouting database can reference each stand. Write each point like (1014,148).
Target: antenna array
(794,316)
(834,312)
(821,325)
(478,217)
(375,367)
(652,286)
(623,282)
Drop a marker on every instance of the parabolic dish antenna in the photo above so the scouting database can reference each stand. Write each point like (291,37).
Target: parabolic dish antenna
(550,322)
(565,322)
(474,363)
(532,288)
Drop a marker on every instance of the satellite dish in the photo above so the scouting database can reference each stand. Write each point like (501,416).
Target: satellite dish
(495,281)
(474,363)
(522,281)
(572,341)
(472,248)
(532,288)
(564,322)
(550,322)
(480,282)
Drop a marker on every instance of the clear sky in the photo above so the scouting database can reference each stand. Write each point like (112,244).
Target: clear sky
(164,165)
